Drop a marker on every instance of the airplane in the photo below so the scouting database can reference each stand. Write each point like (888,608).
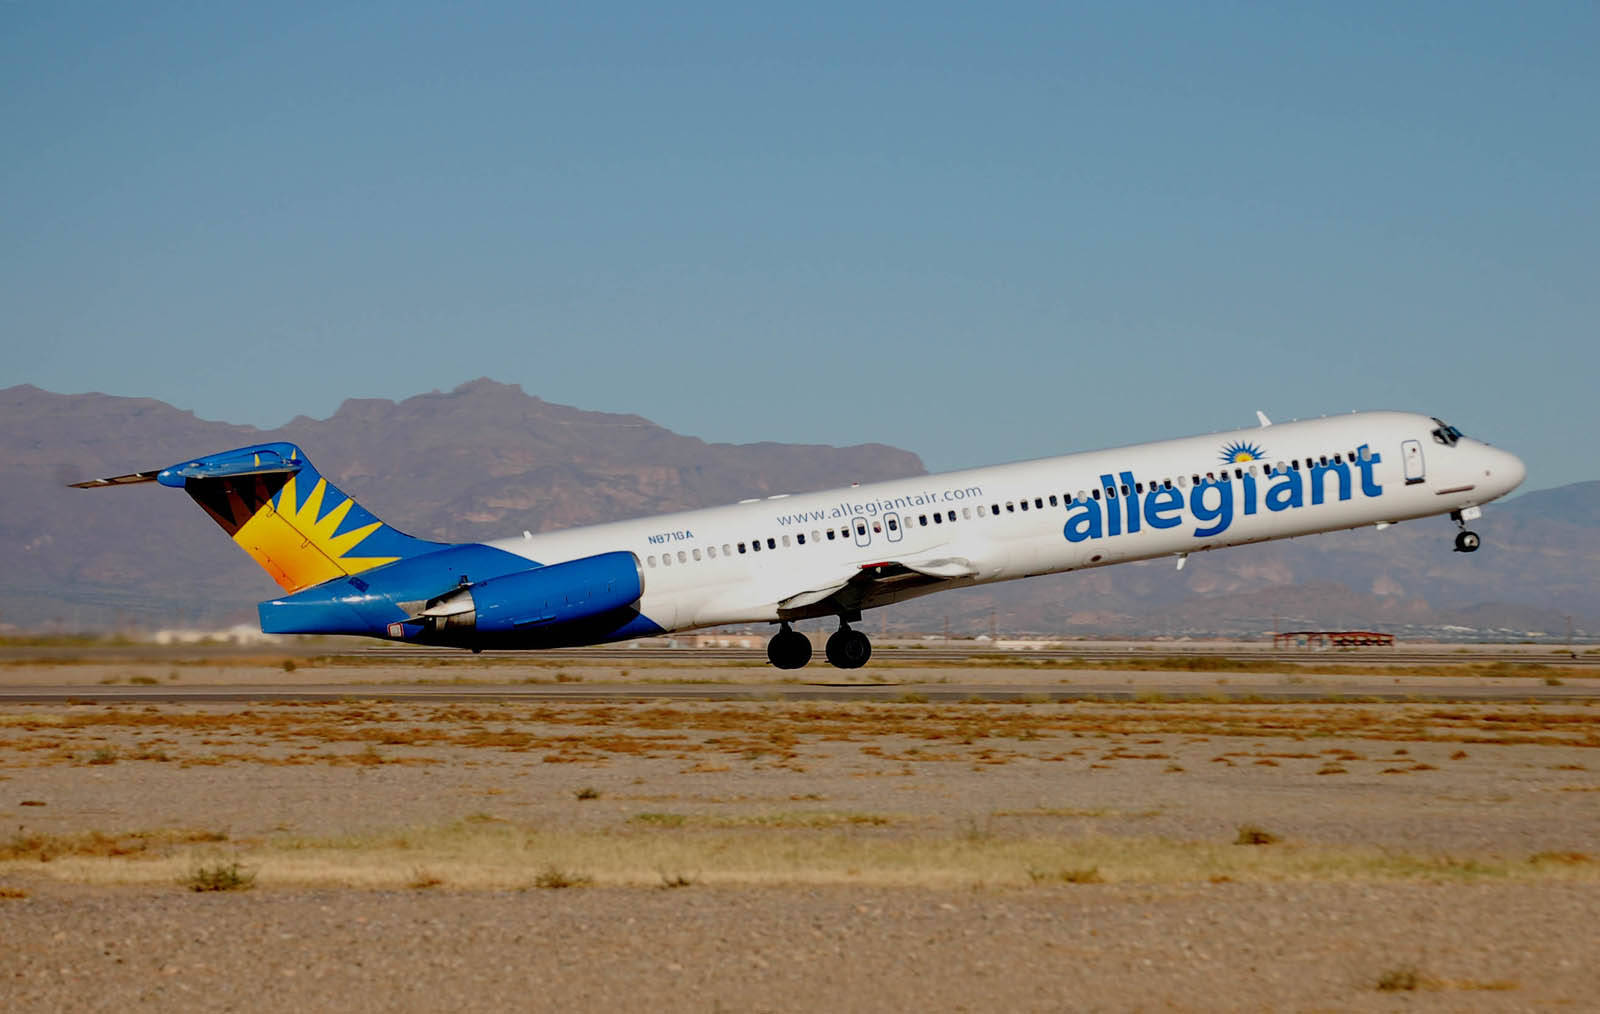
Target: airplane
(835,553)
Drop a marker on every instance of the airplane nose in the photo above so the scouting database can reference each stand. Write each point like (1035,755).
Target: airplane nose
(1506,471)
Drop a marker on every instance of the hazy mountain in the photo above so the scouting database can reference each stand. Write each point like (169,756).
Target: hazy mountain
(487,460)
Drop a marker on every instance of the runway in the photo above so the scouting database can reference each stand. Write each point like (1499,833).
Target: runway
(1157,690)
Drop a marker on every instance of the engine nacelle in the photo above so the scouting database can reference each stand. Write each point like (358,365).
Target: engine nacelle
(545,596)
(461,594)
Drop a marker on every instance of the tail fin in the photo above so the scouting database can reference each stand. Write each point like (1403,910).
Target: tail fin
(298,526)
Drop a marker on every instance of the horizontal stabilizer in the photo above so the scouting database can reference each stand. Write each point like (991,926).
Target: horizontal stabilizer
(116,480)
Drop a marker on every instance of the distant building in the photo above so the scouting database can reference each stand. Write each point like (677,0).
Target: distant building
(1322,639)
(243,634)
(722,641)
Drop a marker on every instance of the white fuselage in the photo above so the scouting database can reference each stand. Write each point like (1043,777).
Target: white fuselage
(757,560)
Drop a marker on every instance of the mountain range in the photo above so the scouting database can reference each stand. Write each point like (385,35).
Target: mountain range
(487,460)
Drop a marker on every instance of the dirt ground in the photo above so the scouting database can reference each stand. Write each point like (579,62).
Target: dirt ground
(790,856)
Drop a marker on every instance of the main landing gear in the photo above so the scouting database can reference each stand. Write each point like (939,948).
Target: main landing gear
(847,649)
(1466,541)
(789,649)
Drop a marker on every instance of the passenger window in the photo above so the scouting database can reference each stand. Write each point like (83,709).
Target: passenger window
(994,508)
(697,553)
(1024,507)
(1052,499)
(816,536)
(666,559)
(683,557)
(1366,454)
(1011,506)
(1038,502)
(877,527)
(861,528)
(651,561)
(755,545)
(922,519)
(711,551)
(799,539)
(982,511)
(894,523)
(938,519)
(741,547)
(772,543)
(1295,464)
(1125,490)
(830,535)
(786,541)
(966,513)
(951,516)
(726,551)
(1095,492)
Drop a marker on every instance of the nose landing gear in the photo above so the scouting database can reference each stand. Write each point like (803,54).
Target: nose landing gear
(1466,541)
(789,649)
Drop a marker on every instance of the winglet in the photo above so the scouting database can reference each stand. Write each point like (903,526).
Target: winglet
(1265,422)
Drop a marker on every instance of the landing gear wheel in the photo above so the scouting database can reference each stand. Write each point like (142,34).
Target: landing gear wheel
(789,649)
(1467,542)
(849,649)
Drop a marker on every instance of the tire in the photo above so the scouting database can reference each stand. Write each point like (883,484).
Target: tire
(849,649)
(789,649)
(1467,542)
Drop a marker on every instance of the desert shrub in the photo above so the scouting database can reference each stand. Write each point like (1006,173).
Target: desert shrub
(229,876)
(552,878)
(1249,834)
(1399,980)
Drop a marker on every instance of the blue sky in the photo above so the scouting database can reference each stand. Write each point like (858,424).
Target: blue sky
(979,234)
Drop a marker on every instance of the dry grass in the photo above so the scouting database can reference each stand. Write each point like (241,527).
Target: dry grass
(490,854)
(775,733)
(772,841)
(39,847)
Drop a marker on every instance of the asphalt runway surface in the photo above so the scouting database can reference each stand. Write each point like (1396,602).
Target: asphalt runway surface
(1150,690)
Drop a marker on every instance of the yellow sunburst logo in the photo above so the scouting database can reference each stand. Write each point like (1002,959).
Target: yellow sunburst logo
(299,548)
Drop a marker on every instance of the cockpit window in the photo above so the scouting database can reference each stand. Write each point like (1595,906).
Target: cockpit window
(1446,434)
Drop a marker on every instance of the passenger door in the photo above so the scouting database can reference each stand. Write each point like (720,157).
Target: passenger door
(1411,451)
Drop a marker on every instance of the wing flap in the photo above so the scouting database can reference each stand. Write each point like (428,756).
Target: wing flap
(812,597)
(943,566)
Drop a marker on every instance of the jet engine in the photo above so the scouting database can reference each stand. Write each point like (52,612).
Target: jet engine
(558,594)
